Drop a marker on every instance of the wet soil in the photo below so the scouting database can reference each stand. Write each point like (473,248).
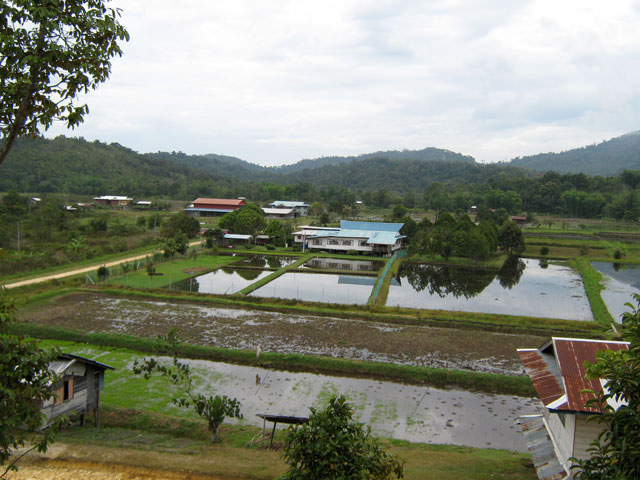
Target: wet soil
(289,333)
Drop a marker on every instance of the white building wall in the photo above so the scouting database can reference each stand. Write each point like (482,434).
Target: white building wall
(562,435)
(586,432)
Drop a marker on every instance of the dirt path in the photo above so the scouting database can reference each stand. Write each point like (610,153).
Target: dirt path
(79,271)
(77,461)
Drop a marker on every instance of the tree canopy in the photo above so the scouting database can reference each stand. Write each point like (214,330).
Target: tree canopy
(332,446)
(51,51)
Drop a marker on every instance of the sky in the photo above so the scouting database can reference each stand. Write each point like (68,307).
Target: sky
(274,82)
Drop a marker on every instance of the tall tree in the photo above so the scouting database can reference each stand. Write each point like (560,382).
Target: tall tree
(50,51)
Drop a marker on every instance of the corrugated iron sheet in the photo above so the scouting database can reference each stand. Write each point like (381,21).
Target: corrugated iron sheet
(571,355)
(544,381)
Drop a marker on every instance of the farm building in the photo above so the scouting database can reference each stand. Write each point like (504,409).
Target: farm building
(112,200)
(300,209)
(377,238)
(559,376)
(78,392)
(279,213)
(209,207)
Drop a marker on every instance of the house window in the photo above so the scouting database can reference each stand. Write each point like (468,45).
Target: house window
(316,242)
(334,242)
(347,242)
(363,243)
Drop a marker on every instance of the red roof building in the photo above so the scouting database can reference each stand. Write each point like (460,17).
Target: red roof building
(206,207)
(558,372)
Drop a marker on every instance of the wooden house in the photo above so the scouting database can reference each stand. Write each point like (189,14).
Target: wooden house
(561,431)
(209,207)
(78,392)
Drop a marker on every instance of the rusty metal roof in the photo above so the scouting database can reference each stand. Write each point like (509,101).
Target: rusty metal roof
(561,379)
(544,381)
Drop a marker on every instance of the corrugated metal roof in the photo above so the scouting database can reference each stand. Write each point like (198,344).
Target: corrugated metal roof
(541,448)
(569,355)
(220,201)
(572,353)
(371,226)
(375,237)
(237,236)
(285,203)
(544,381)
(277,211)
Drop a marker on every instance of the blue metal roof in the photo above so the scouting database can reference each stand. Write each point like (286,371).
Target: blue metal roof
(371,226)
(376,237)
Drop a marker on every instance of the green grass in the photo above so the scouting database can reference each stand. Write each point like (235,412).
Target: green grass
(172,271)
(274,275)
(593,285)
(176,438)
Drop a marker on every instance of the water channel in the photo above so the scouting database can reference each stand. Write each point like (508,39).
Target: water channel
(621,282)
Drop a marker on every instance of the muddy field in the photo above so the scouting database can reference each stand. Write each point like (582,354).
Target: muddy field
(289,333)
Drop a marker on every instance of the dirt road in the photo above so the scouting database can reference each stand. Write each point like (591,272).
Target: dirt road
(79,271)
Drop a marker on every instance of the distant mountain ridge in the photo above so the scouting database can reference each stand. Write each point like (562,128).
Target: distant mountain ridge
(606,159)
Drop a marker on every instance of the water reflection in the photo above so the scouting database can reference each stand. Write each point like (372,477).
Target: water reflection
(521,287)
(266,261)
(343,264)
(621,282)
(225,280)
(444,280)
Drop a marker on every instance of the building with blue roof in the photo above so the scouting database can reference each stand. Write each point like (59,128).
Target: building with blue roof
(376,238)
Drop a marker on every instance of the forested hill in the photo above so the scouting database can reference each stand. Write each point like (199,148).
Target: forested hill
(70,165)
(427,155)
(398,175)
(233,167)
(607,158)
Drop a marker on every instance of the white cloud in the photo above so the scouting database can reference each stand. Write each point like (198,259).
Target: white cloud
(274,82)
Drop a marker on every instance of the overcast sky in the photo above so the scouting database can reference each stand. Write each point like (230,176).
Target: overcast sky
(276,81)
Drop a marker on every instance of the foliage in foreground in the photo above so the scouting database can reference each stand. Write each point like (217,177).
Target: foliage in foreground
(333,446)
(615,454)
(214,409)
(25,382)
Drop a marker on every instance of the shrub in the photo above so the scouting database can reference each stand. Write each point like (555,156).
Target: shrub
(270,246)
(544,250)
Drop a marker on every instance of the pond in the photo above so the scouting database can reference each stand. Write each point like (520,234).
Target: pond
(621,282)
(342,264)
(226,280)
(319,287)
(274,262)
(522,287)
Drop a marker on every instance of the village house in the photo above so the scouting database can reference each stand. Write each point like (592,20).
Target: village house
(112,200)
(279,213)
(562,431)
(300,209)
(375,238)
(209,207)
(78,392)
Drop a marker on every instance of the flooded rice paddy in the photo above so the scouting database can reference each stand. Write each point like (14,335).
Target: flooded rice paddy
(226,280)
(289,333)
(621,282)
(412,413)
(319,287)
(525,287)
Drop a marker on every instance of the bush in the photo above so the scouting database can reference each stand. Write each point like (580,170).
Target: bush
(333,446)
(544,250)
(617,254)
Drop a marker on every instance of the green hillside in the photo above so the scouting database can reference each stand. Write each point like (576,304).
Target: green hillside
(607,158)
